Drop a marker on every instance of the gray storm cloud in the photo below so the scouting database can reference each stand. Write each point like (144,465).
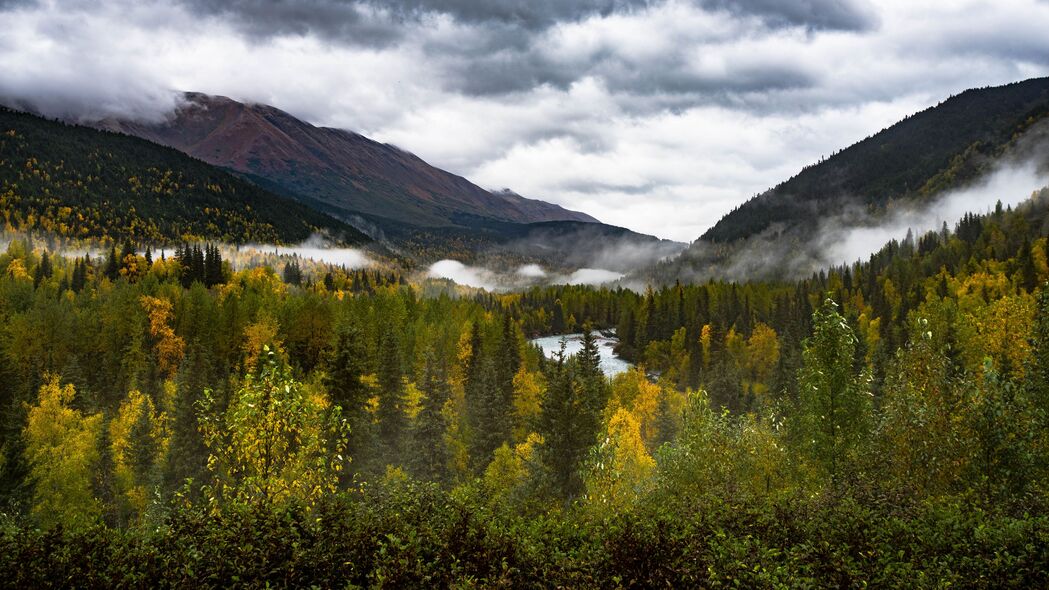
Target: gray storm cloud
(658,115)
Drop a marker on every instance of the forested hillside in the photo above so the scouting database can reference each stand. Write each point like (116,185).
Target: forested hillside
(942,147)
(78,182)
(882,424)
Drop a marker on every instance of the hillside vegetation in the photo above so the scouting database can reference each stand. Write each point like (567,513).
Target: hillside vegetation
(78,182)
(942,147)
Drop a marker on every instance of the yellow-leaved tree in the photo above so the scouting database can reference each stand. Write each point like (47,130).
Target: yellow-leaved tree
(62,453)
(529,388)
(167,346)
(276,442)
(507,476)
(620,468)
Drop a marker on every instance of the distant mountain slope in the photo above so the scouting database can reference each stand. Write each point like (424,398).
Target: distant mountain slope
(941,147)
(346,172)
(84,183)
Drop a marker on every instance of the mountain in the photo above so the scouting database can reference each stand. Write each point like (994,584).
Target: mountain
(79,182)
(339,171)
(942,147)
(800,226)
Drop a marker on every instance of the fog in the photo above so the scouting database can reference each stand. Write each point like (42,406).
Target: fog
(523,277)
(1011,185)
(854,234)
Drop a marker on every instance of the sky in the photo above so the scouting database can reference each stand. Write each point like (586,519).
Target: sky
(660,116)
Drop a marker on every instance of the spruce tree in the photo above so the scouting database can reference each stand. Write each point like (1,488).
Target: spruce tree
(346,364)
(431,458)
(570,416)
(112,270)
(392,419)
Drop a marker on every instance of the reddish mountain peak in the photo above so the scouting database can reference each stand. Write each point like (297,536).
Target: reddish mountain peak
(346,171)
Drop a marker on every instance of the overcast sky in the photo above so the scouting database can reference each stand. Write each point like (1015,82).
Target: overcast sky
(660,116)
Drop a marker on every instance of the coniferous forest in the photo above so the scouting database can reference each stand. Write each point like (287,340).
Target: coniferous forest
(172,420)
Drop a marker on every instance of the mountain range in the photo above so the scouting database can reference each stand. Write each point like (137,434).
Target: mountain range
(345,172)
(273,176)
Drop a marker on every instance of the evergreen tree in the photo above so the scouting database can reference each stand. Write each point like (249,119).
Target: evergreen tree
(112,270)
(44,270)
(570,418)
(666,426)
(346,364)
(292,273)
(187,451)
(490,423)
(391,416)
(431,457)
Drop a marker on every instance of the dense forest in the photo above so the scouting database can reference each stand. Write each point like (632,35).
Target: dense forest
(77,182)
(175,420)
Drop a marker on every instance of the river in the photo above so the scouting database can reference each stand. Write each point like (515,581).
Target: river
(611,364)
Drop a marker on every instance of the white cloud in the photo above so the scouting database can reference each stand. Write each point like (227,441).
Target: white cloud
(659,119)
(458,272)
(593,276)
(531,271)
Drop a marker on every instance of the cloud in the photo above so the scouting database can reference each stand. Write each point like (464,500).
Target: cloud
(656,115)
(461,274)
(530,274)
(842,15)
(854,234)
(1011,185)
(593,276)
(531,271)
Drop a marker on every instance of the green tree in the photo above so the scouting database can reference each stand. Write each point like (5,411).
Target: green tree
(570,418)
(431,457)
(346,364)
(393,421)
(138,441)
(834,405)
(275,442)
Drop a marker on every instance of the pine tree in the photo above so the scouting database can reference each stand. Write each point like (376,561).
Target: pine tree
(188,452)
(570,417)
(212,266)
(112,270)
(490,419)
(430,459)
(666,426)
(560,452)
(44,270)
(391,416)
(346,364)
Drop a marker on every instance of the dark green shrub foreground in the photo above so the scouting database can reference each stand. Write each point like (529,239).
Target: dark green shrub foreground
(416,536)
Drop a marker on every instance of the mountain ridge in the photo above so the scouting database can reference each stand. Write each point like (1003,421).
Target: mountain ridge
(940,147)
(345,170)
